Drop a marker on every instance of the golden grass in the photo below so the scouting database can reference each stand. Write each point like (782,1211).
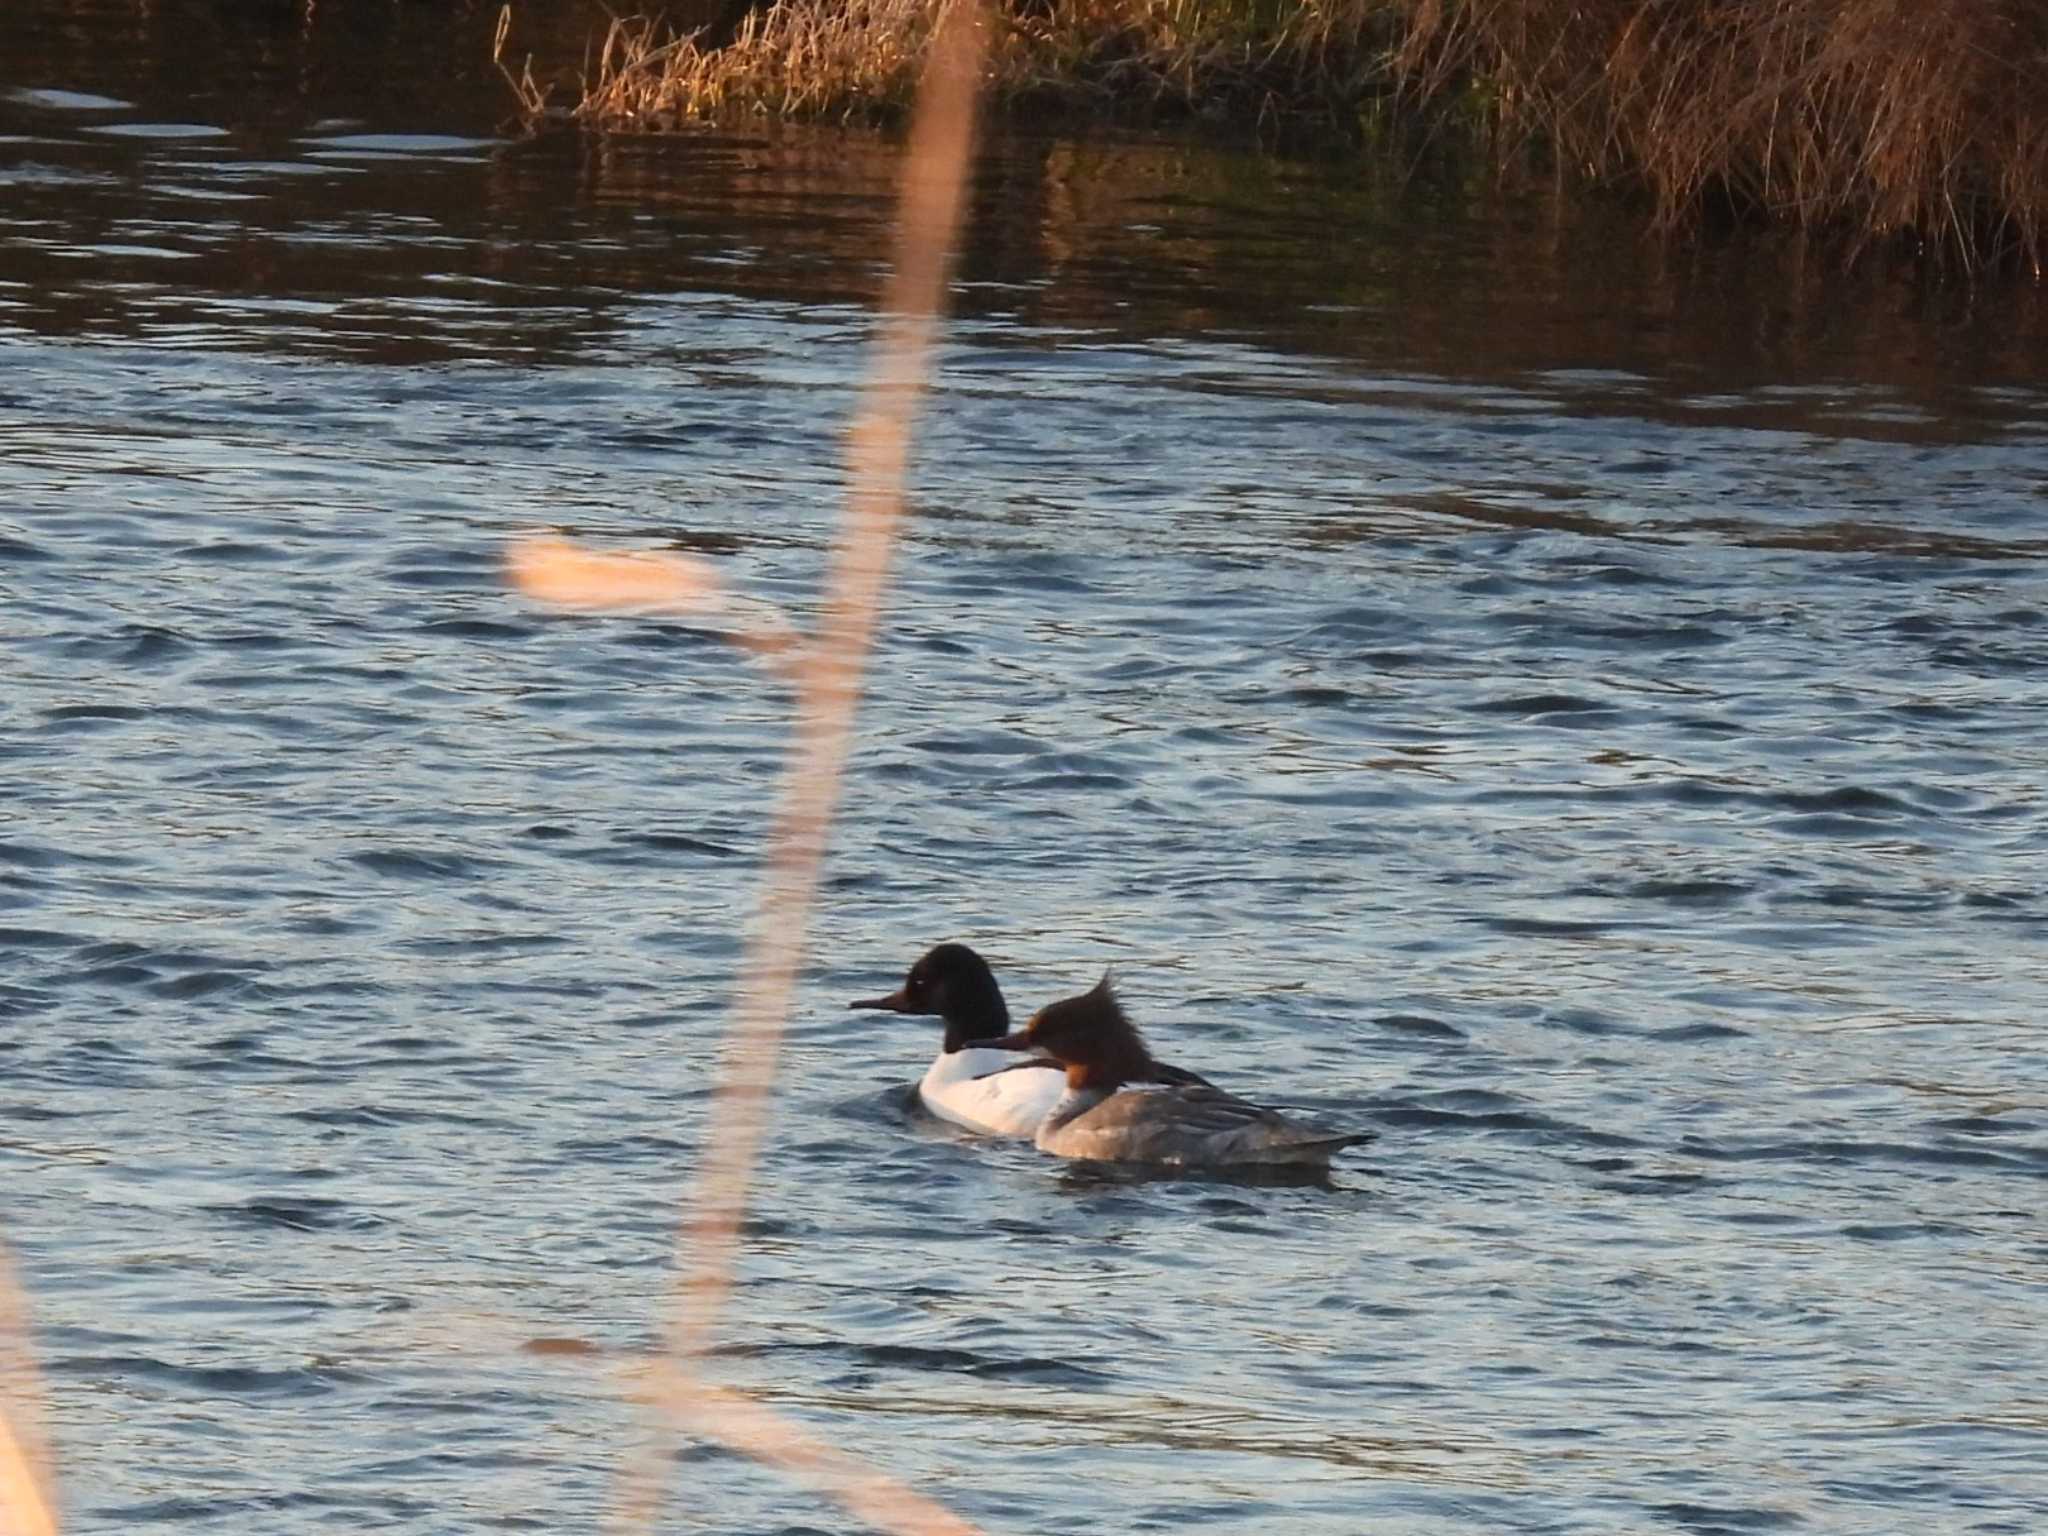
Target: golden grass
(807,61)
(1878,118)
(862,58)
(1926,118)
(827,672)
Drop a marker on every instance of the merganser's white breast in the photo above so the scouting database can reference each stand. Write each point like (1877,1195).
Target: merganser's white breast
(990,1091)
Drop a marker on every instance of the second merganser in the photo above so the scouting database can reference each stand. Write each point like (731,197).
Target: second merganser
(970,1083)
(1115,1110)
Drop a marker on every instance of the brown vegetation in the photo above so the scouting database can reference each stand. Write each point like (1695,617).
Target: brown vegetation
(1872,118)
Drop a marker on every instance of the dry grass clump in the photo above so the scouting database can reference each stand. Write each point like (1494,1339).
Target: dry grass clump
(1874,117)
(807,59)
(819,58)
(1926,118)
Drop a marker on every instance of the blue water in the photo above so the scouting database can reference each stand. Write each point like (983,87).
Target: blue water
(1581,722)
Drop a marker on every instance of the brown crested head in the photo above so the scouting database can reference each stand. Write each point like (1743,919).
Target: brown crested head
(1093,1038)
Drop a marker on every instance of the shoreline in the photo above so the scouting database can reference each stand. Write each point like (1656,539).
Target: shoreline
(1865,123)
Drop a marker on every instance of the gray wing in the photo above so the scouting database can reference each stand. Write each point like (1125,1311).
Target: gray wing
(1197,1124)
(1166,1072)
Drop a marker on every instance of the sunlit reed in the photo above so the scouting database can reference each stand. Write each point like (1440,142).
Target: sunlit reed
(827,674)
(648,582)
(28,1503)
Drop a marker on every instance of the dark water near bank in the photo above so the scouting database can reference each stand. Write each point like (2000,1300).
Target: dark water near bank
(1575,709)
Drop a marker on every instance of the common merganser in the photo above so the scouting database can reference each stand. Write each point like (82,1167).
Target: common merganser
(970,1083)
(1114,1109)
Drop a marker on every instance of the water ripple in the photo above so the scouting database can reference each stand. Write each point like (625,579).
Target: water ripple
(1617,785)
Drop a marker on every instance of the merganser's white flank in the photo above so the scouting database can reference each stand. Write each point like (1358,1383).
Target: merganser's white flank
(1114,1110)
(970,1083)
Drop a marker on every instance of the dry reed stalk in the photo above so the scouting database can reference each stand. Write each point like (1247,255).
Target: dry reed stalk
(744,1424)
(828,676)
(933,196)
(556,571)
(533,101)
(28,1505)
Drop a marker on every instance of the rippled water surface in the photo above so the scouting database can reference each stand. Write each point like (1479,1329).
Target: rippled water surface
(1574,710)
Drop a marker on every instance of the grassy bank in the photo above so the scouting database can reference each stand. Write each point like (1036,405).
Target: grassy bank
(1916,120)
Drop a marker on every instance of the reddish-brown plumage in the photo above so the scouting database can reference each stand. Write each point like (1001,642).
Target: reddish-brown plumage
(1095,1039)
